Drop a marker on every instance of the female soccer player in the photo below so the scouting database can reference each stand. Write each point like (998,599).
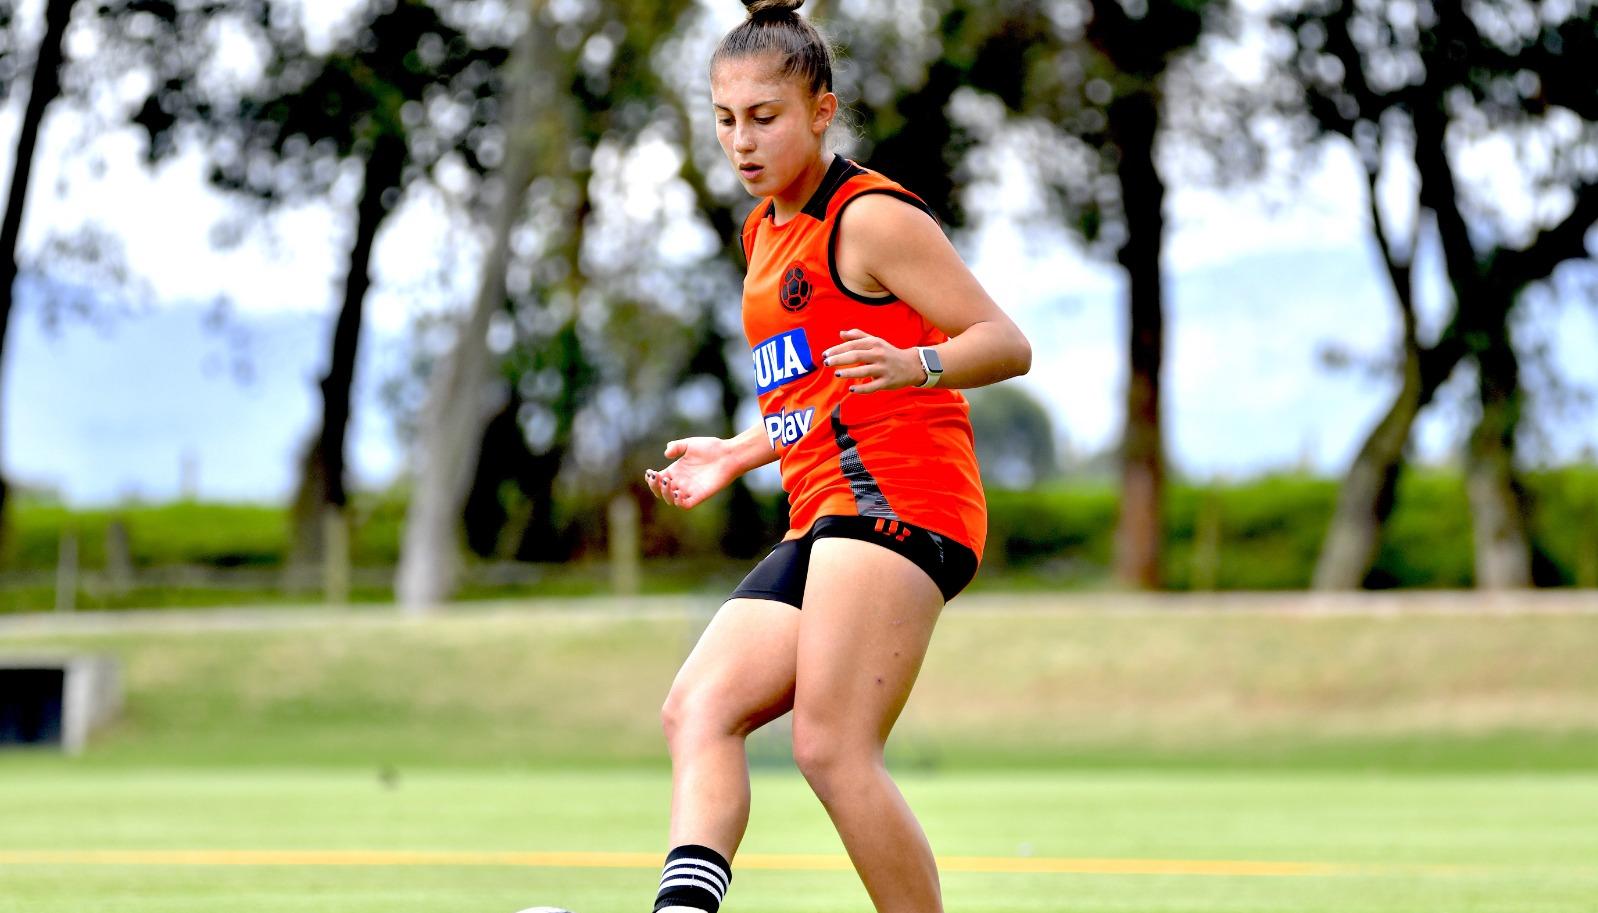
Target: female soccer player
(863,323)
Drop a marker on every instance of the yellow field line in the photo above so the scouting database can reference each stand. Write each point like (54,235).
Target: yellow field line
(782,862)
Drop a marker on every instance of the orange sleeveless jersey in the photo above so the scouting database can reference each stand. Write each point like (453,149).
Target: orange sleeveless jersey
(902,454)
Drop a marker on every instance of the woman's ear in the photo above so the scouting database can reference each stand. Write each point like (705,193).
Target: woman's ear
(826,110)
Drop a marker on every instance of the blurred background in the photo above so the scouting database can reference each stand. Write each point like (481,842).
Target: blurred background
(350,327)
(397,299)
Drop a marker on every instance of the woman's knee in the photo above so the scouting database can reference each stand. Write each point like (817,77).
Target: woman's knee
(831,759)
(695,713)
(672,715)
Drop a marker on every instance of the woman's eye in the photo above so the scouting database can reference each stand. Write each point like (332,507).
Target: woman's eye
(766,120)
(724,121)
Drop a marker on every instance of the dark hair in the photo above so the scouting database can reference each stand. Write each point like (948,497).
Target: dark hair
(774,27)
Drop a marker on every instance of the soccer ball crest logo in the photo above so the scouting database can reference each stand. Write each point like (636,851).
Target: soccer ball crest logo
(794,293)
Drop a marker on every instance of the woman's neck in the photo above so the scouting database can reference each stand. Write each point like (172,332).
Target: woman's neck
(793,198)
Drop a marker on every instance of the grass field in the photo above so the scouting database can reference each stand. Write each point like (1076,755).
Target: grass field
(1067,842)
(1062,760)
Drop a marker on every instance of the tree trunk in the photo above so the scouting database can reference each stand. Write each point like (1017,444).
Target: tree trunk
(1365,499)
(1498,505)
(456,412)
(503,456)
(1133,123)
(322,472)
(45,90)
(543,539)
(1486,297)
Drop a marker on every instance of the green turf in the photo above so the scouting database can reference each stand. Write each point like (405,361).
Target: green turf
(1449,763)
(1002,687)
(1458,843)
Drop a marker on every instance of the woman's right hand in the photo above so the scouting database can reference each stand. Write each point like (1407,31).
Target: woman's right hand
(704,466)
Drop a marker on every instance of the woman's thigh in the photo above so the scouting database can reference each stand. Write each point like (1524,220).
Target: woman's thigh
(740,675)
(867,620)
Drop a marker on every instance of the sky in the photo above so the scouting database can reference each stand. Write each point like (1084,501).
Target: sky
(144,405)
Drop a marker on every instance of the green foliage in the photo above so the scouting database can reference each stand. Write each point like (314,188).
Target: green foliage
(1063,533)
(1265,535)
(1428,541)
(1565,523)
(184,533)
(1014,437)
(1269,531)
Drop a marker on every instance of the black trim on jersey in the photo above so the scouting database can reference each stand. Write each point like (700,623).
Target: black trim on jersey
(868,497)
(832,241)
(838,173)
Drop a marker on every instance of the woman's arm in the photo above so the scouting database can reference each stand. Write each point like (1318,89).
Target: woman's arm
(705,465)
(886,245)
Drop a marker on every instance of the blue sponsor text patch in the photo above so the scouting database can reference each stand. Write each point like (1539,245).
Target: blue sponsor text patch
(781,359)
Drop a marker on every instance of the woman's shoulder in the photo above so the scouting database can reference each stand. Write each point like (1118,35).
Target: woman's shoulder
(887,218)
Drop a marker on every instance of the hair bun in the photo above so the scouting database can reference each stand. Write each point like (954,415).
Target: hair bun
(772,9)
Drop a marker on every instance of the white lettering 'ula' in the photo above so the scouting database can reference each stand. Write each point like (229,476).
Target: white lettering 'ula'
(781,359)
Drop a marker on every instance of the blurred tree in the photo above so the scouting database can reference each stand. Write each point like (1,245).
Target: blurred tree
(1015,437)
(586,93)
(1138,42)
(404,92)
(1433,80)
(45,89)
(452,425)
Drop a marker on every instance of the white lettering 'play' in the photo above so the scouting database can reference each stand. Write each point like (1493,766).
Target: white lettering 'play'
(787,428)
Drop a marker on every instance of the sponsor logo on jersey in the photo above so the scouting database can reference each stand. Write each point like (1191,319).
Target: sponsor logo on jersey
(788,427)
(782,359)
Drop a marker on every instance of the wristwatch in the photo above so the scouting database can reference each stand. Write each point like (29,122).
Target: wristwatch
(932,364)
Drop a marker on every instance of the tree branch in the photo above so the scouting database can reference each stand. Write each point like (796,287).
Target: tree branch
(1516,269)
(1398,265)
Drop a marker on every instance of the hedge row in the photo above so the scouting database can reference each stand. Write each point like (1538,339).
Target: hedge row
(1262,534)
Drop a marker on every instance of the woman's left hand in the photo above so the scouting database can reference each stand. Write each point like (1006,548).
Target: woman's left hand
(888,367)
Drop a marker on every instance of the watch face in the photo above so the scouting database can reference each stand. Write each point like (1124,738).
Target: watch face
(933,362)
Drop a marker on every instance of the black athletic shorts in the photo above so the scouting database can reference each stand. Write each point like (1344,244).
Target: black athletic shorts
(781,575)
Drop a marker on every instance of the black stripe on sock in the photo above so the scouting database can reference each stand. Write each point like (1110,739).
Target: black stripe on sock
(709,875)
